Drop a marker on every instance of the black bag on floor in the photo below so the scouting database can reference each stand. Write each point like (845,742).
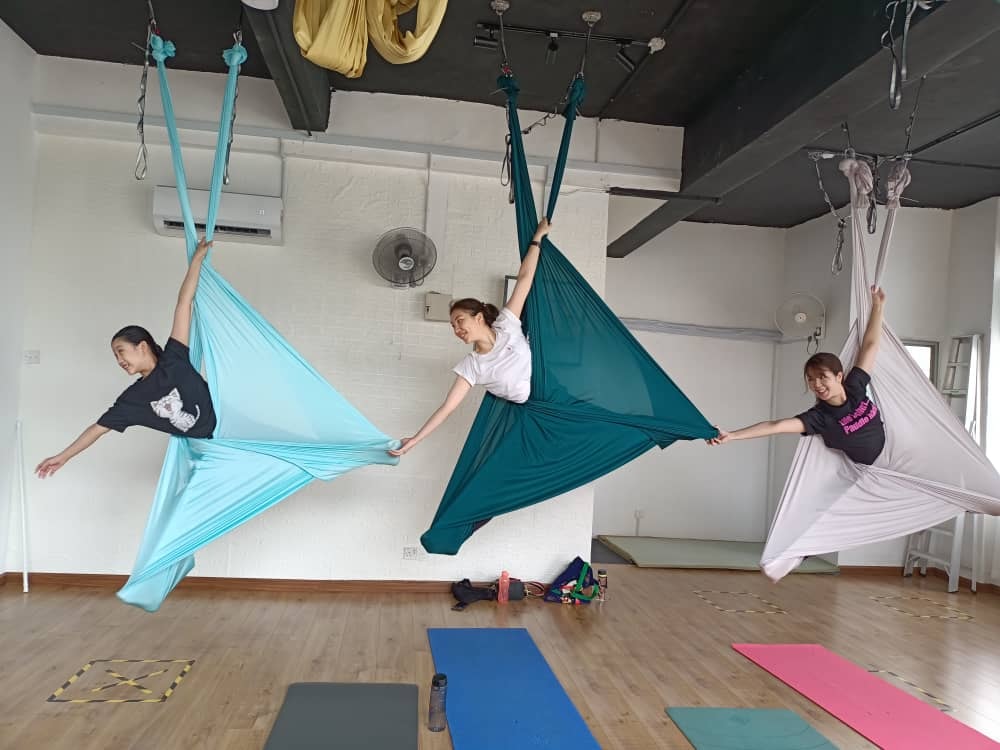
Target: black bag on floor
(466,593)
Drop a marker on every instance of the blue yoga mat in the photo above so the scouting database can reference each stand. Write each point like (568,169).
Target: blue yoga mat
(502,693)
(747,729)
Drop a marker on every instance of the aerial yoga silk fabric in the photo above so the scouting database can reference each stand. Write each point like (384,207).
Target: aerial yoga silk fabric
(598,399)
(930,470)
(334,34)
(280,425)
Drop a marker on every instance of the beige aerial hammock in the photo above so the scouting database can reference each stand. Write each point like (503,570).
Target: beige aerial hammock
(334,34)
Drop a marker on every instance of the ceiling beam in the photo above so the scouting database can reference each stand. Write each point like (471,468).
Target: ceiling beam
(827,68)
(303,86)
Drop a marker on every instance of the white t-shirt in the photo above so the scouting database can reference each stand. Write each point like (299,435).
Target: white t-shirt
(505,370)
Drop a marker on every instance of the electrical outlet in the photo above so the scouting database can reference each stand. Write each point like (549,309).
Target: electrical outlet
(411,553)
(32,357)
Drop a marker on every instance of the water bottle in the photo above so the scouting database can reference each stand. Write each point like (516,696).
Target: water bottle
(439,687)
(602,585)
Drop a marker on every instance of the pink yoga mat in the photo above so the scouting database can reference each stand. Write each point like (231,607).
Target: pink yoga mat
(887,716)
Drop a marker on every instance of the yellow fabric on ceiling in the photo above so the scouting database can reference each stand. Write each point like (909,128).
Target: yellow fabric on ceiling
(383,28)
(334,34)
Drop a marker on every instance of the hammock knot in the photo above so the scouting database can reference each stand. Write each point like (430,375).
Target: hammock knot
(859,174)
(898,180)
(235,55)
(161,49)
(577,92)
(509,85)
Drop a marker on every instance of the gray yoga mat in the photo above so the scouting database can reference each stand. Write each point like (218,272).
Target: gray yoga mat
(346,716)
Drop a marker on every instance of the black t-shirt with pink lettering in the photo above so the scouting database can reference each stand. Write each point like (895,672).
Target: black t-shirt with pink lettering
(855,427)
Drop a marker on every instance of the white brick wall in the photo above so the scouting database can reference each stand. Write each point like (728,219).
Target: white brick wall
(97,265)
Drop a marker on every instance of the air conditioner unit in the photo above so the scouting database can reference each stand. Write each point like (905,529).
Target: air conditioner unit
(241,218)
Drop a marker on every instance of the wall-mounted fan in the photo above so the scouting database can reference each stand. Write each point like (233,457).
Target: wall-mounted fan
(801,317)
(404,257)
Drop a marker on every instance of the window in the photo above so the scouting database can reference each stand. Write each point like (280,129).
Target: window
(508,287)
(925,354)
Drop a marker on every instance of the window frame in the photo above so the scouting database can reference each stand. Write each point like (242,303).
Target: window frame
(935,347)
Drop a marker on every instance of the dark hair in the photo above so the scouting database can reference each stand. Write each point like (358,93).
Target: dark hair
(823,361)
(135,335)
(474,307)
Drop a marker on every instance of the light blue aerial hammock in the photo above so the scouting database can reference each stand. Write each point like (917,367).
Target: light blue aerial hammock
(280,424)
(598,399)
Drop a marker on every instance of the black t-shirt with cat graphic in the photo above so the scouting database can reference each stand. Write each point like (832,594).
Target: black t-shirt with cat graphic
(855,427)
(173,398)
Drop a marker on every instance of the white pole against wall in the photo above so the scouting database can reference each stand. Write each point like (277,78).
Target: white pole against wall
(24,508)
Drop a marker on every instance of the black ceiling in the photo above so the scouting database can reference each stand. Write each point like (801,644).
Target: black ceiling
(705,50)
(965,91)
(709,44)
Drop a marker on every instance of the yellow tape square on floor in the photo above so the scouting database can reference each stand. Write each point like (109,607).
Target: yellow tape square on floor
(124,681)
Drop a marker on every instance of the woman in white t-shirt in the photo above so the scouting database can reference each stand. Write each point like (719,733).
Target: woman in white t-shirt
(500,359)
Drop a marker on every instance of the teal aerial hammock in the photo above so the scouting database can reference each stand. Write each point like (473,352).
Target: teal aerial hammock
(280,425)
(598,399)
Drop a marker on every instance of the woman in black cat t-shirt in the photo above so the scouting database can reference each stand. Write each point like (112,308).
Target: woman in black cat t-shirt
(170,395)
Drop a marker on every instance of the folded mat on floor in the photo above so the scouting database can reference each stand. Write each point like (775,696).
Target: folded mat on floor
(655,552)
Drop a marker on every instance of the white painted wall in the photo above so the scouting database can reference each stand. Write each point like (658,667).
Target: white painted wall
(992,411)
(971,285)
(809,250)
(86,88)
(17,177)
(704,274)
(973,308)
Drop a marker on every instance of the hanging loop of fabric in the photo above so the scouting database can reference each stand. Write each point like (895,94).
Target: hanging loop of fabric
(872,216)
(898,61)
(505,177)
(838,255)
(237,43)
(142,157)
(837,265)
(506,74)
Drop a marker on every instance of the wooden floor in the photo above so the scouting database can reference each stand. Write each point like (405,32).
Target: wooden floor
(655,643)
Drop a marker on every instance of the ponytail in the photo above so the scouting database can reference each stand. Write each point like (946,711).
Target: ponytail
(135,335)
(475,307)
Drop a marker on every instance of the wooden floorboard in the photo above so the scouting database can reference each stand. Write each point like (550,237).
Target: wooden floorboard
(654,643)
